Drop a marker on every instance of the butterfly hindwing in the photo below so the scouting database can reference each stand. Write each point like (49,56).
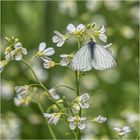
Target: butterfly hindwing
(102,58)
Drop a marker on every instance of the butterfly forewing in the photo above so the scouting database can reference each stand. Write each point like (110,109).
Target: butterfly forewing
(82,60)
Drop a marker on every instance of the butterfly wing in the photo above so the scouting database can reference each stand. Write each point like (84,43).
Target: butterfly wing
(82,60)
(102,58)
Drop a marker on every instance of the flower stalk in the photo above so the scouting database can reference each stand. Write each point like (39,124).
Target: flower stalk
(49,126)
(77,78)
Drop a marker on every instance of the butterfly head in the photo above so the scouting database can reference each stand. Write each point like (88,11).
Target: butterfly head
(91,43)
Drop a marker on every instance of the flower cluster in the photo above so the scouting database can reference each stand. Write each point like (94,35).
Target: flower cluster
(12,52)
(83,60)
(81,102)
(74,119)
(80,32)
(122,131)
(23,97)
(53,118)
(45,53)
(100,119)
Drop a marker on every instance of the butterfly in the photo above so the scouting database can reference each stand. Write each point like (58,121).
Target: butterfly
(91,56)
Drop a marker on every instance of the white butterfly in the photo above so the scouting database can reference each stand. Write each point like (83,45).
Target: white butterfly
(93,56)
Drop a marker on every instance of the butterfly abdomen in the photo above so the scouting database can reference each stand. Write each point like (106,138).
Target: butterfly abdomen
(91,45)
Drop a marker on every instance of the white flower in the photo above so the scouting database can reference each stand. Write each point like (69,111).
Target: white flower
(100,119)
(76,121)
(65,59)
(102,33)
(82,101)
(3,64)
(22,99)
(48,64)
(19,50)
(18,100)
(58,38)
(21,89)
(122,131)
(8,53)
(43,53)
(54,94)
(72,29)
(53,118)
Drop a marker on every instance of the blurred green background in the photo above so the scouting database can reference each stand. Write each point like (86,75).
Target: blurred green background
(114,93)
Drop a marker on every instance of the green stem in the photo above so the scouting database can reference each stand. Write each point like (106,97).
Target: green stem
(41,84)
(64,86)
(77,82)
(32,58)
(77,78)
(49,126)
(78,43)
(34,85)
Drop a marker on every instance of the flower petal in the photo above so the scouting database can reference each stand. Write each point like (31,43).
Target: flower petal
(55,38)
(80,27)
(85,96)
(46,64)
(108,45)
(18,56)
(103,37)
(60,42)
(46,58)
(64,62)
(71,28)
(16,101)
(54,94)
(72,125)
(49,51)
(47,115)
(64,55)
(19,89)
(56,119)
(81,125)
(102,30)
(18,45)
(83,118)
(100,119)
(42,46)
(126,129)
(51,120)
(24,50)
(58,33)
(117,129)
(84,105)
(70,118)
